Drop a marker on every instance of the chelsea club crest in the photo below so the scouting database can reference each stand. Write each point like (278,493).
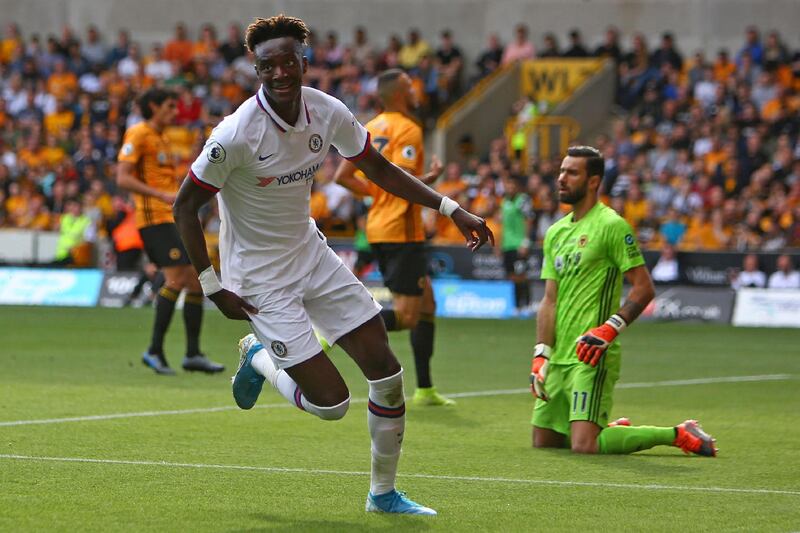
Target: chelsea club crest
(315,143)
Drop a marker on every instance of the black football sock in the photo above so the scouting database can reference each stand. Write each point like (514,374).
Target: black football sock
(137,290)
(193,319)
(389,319)
(526,293)
(422,346)
(165,306)
(521,294)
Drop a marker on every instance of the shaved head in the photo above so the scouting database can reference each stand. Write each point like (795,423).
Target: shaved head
(396,91)
(387,83)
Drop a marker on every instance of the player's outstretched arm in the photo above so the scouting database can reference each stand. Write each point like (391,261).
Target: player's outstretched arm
(593,344)
(190,199)
(346,177)
(395,180)
(545,338)
(128,181)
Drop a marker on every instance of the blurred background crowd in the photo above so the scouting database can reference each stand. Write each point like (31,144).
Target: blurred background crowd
(703,153)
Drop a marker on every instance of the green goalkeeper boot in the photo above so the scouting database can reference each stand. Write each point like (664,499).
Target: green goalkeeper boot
(429,397)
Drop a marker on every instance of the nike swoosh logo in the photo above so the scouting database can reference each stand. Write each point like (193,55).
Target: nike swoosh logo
(264,157)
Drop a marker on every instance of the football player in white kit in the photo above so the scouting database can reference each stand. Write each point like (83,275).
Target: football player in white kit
(277,270)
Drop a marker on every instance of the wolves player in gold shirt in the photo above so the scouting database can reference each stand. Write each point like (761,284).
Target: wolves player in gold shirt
(146,169)
(394,226)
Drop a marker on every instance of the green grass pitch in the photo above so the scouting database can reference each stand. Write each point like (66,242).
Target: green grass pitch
(190,461)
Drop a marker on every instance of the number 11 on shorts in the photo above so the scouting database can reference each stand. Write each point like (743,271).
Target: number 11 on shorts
(583,396)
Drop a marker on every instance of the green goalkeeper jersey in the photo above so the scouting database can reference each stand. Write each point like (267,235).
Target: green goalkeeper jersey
(587,259)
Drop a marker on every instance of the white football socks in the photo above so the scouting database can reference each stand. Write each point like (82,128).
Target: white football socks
(386,420)
(385,416)
(263,364)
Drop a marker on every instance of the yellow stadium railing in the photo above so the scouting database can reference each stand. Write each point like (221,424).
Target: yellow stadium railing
(546,136)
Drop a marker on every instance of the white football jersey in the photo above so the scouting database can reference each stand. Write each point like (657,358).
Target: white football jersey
(263,168)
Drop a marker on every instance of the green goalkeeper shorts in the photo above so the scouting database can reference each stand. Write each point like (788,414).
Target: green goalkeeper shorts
(577,392)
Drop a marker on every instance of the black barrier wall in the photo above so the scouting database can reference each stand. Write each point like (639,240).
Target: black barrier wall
(695,268)
(679,302)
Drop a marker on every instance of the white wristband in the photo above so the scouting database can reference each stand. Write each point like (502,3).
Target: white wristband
(448,206)
(209,281)
(617,322)
(542,350)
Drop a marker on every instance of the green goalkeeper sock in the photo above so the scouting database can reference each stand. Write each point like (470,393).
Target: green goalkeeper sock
(629,439)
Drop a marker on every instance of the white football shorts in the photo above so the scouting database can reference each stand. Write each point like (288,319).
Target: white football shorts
(329,299)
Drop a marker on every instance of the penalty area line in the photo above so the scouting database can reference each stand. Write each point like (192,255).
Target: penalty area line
(472,394)
(474,479)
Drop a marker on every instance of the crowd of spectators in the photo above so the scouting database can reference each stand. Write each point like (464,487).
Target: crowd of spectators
(705,155)
(65,102)
(751,275)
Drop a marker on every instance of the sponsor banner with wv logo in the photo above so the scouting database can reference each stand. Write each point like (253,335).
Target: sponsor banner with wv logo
(555,80)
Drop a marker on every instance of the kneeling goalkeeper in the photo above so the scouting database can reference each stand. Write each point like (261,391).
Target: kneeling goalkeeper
(577,360)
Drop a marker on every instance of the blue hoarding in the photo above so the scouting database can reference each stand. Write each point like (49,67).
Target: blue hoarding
(474,299)
(40,286)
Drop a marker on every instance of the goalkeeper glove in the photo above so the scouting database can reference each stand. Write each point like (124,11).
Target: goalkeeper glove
(541,360)
(594,343)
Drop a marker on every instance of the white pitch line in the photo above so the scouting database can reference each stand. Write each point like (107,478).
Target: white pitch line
(478,479)
(704,381)
(642,385)
(124,415)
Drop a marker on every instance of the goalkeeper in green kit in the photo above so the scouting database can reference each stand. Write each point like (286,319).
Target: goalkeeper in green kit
(576,361)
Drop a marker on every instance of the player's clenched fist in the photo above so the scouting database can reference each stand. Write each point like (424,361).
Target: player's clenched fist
(541,360)
(593,344)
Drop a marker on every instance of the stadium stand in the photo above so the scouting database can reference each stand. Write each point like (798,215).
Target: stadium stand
(703,154)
